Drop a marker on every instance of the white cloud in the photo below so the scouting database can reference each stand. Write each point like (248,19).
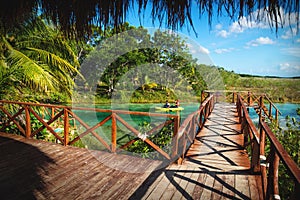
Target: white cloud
(223,34)
(289,33)
(219,26)
(259,19)
(289,67)
(294,51)
(284,66)
(284,18)
(220,51)
(203,50)
(197,49)
(236,27)
(239,27)
(260,41)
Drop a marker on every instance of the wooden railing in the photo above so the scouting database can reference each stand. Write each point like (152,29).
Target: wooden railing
(268,165)
(262,104)
(229,96)
(24,115)
(191,126)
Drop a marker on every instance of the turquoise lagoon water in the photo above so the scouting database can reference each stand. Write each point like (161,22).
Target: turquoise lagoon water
(287,109)
(91,118)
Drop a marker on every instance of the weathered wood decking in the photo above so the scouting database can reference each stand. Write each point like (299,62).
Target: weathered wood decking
(31,169)
(216,167)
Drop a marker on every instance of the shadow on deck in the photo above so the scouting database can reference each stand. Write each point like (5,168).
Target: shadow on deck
(32,169)
(216,166)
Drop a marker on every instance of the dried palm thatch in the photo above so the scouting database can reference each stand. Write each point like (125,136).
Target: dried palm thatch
(75,17)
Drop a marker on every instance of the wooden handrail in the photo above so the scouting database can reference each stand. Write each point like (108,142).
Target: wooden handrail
(270,101)
(63,113)
(266,166)
(190,127)
(251,135)
(87,109)
(284,156)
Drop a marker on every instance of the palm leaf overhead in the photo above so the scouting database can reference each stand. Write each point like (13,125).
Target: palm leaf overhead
(35,76)
(77,16)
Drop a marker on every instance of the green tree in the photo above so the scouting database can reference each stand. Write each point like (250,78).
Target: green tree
(36,59)
(164,57)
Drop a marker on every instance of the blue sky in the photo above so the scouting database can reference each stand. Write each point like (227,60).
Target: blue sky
(244,46)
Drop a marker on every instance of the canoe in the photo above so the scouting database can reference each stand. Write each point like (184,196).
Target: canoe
(168,109)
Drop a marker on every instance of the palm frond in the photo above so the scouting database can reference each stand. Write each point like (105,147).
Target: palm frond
(33,75)
(56,63)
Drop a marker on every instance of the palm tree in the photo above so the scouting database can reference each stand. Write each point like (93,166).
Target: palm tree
(35,58)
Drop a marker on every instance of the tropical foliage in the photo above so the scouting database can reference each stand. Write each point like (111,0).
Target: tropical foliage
(128,61)
(289,137)
(162,139)
(35,59)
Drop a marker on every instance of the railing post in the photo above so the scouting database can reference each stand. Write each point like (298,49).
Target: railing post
(239,108)
(113,133)
(210,105)
(233,100)
(175,145)
(175,142)
(52,112)
(245,131)
(202,96)
(27,122)
(272,188)
(66,127)
(176,124)
(261,104)
(249,99)
(262,158)
(200,118)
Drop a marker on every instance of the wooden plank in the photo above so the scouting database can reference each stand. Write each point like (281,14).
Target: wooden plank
(228,186)
(92,173)
(207,190)
(217,188)
(127,189)
(150,192)
(114,183)
(254,187)
(121,182)
(192,184)
(184,175)
(170,188)
(215,168)
(242,186)
(200,186)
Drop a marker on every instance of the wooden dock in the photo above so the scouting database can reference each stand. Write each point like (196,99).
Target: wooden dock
(32,169)
(215,167)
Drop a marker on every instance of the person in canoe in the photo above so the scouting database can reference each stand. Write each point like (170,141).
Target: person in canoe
(177,104)
(167,104)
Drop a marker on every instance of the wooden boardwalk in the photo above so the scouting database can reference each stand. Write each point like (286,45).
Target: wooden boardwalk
(216,166)
(31,169)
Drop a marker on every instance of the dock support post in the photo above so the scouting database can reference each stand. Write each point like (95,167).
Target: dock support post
(113,133)
(28,123)
(66,127)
